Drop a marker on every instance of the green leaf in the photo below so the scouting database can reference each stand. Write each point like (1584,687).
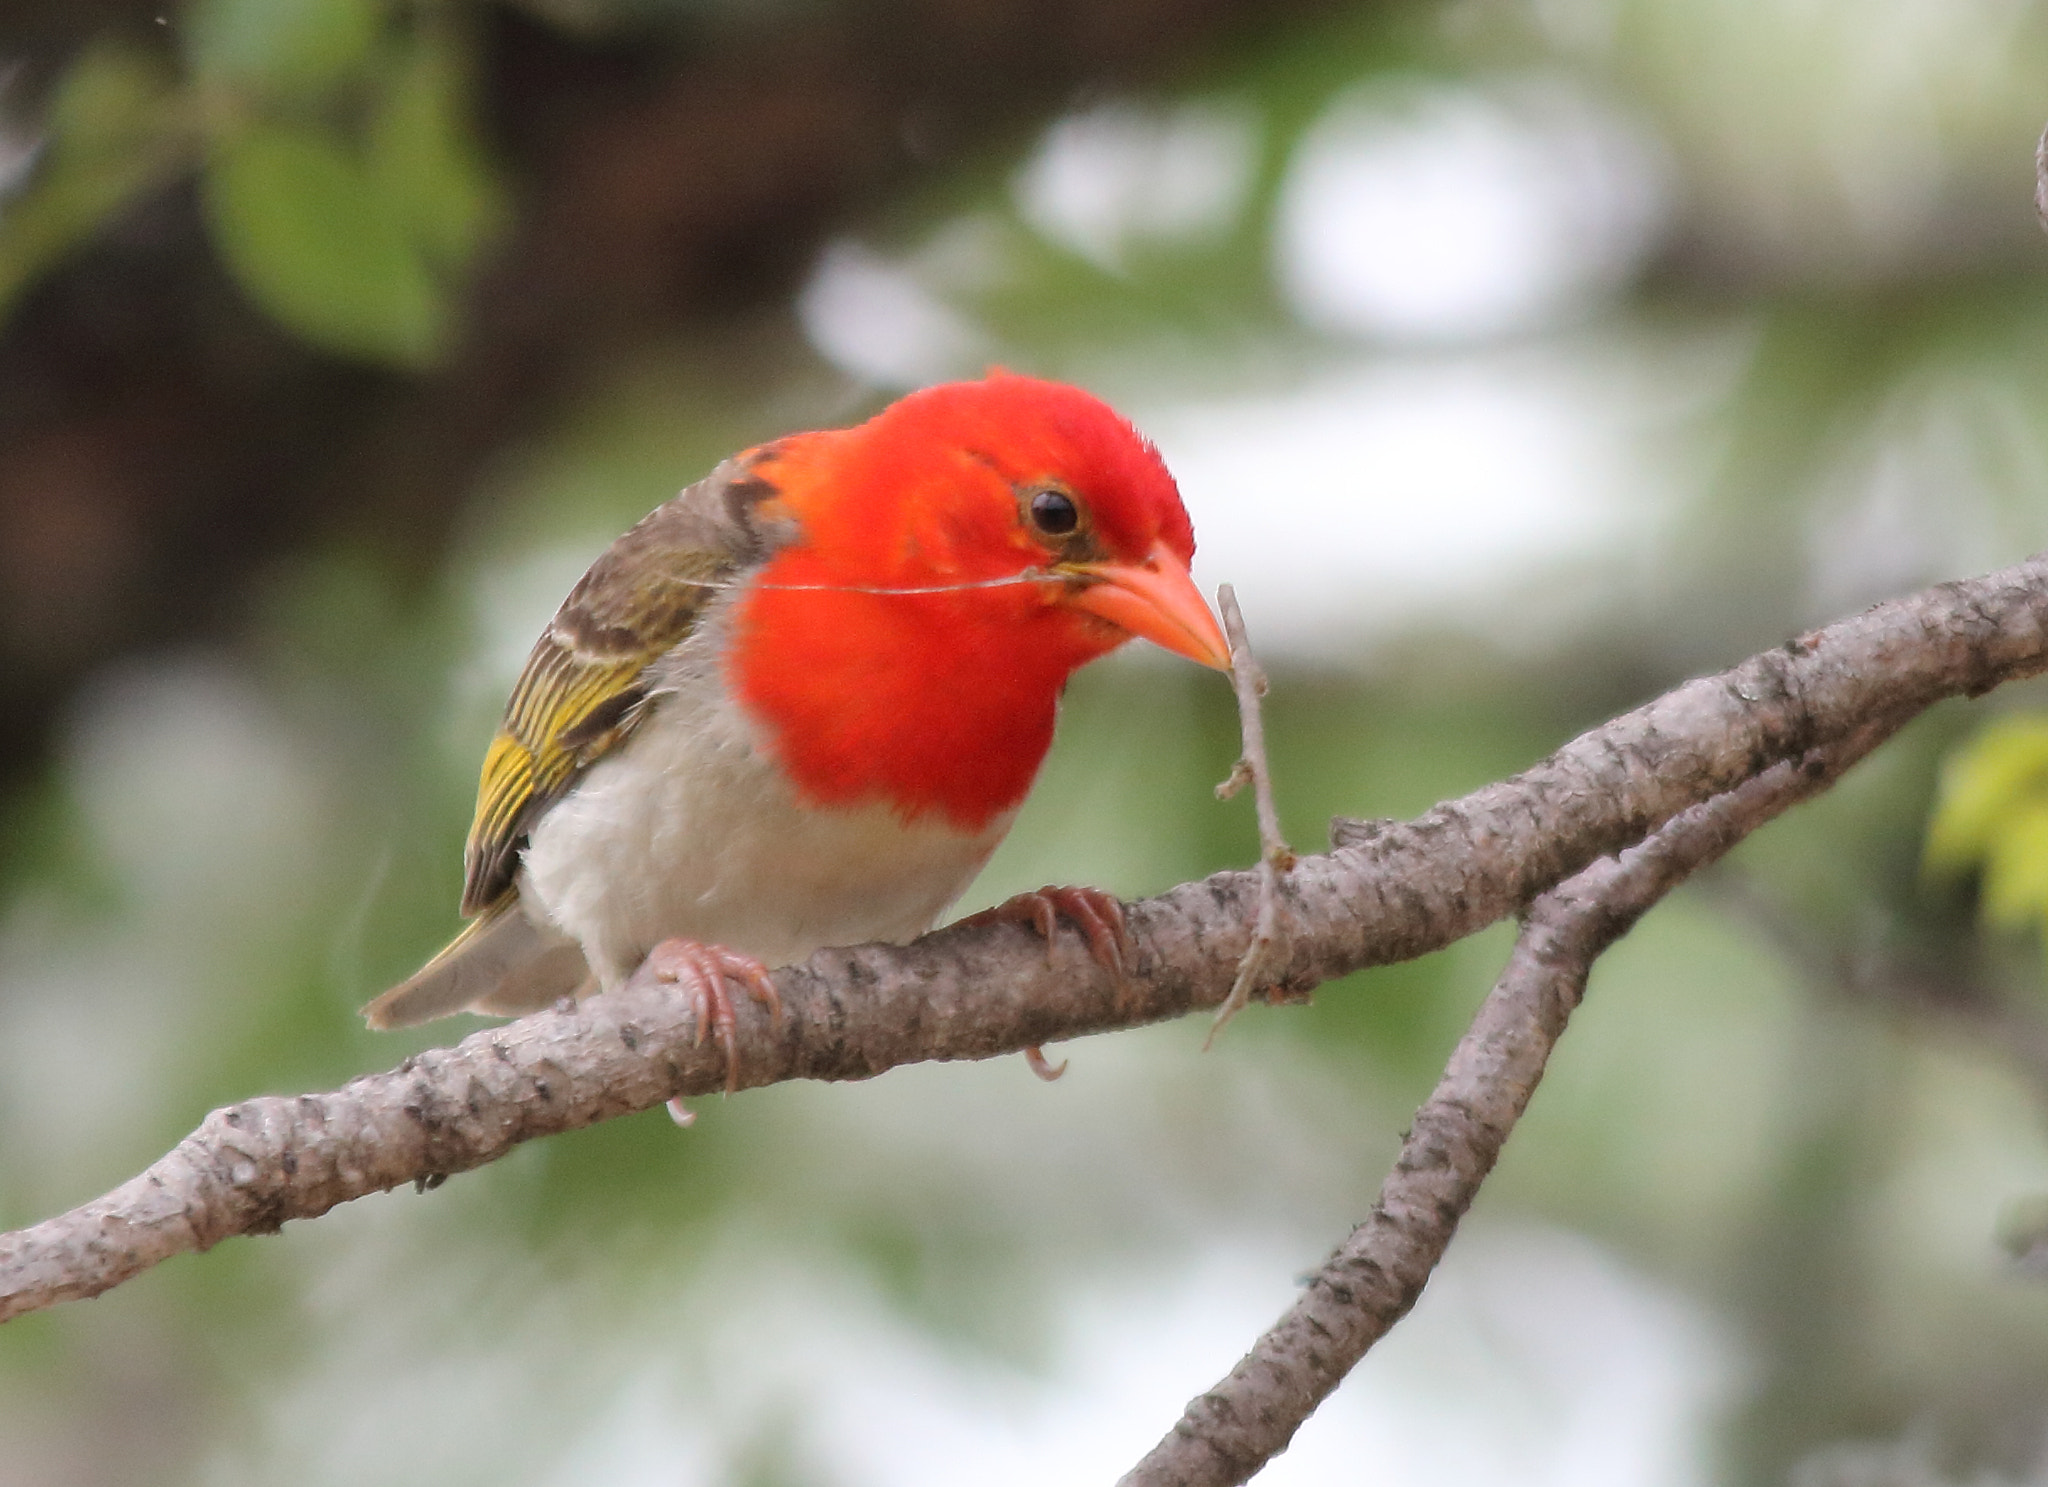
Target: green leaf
(282,46)
(316,242)
(2016,870)
(427,161)
(1984,787)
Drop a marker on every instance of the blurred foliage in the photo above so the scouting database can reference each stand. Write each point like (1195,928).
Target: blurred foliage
(1992,815)
(338,153)
(116,129)
(1824,370)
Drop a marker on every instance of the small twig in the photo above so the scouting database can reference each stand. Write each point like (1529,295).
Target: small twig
(1375,1276)
(1275,856)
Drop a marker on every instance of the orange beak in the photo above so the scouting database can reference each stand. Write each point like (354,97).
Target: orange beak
(1155,600)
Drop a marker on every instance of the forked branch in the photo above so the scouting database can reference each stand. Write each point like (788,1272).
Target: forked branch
(1376,1275)
(1387,891)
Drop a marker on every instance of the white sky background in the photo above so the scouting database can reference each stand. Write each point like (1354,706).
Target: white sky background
(1382,496)
(1473,427)
(1428,226)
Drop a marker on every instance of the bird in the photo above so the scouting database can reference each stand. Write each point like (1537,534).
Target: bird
(799,704)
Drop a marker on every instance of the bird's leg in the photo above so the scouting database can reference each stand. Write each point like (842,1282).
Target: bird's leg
(706,973)
(1101,918)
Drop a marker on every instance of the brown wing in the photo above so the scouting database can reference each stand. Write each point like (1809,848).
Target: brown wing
(584,686)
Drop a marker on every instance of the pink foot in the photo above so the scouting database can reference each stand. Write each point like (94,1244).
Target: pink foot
(707,973)
(1101,918)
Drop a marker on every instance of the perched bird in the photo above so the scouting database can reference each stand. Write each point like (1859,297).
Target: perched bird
(799,704)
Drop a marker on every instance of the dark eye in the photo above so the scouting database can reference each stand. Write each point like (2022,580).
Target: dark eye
(1054,513)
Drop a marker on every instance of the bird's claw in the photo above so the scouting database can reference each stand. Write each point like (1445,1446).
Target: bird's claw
(1100,916)
(1043,1067)
(706,973)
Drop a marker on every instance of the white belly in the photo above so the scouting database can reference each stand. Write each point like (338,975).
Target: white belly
(687,831)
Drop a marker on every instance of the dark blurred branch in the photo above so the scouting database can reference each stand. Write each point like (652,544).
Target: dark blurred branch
(1959,993)
(1373,1279)
(1387,892)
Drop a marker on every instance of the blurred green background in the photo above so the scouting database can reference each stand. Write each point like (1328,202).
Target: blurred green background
(1518,359)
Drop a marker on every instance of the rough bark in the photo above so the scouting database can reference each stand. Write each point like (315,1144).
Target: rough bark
(1378,1273)
(1387,892)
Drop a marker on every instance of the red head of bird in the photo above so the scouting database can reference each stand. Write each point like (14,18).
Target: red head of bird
(957,557)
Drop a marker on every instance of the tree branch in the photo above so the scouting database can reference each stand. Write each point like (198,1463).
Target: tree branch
(1388,892)
(1375,1276)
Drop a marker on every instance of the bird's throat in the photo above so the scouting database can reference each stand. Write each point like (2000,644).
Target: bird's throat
(937,705)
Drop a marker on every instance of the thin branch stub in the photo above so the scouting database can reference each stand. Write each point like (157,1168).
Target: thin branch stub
(1275,856)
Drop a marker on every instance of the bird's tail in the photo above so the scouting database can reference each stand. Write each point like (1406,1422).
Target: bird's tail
(502,963)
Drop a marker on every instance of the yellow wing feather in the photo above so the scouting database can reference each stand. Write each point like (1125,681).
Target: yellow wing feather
(565,714)
(584,686)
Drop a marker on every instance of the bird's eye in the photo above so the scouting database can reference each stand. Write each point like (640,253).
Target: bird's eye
(1054,513)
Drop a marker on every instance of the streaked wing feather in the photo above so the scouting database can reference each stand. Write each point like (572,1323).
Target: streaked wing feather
(583,686)
(556,728)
